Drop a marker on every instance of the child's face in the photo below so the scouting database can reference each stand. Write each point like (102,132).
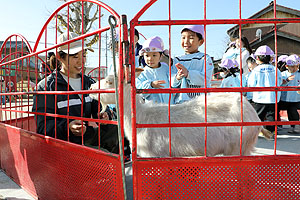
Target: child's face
(293,69)
(190,42)
(152,59)
(251,66)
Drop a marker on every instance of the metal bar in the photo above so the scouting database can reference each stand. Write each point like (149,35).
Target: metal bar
(218,21)
(112,22)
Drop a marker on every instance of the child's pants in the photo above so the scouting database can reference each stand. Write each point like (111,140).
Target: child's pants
(292,110)
(266,112)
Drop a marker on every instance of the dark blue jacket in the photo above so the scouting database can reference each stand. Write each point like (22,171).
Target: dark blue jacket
(90,108)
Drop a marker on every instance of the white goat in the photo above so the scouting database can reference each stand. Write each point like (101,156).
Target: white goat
(189,141)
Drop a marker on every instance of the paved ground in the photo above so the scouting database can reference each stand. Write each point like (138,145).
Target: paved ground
(9,190)
(286,144)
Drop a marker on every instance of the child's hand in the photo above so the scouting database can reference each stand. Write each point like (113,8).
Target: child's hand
(182,71)
(158,84)
(291,78)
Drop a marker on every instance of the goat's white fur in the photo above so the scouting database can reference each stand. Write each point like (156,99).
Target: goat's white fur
(190,141)
(108,98)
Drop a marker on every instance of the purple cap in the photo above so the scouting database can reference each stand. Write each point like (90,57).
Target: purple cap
(264,51)
(282,58)
(153,44)
(292,60)
(227,63)
(235,64)
(195,28)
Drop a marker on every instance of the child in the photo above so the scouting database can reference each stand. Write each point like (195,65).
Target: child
(190,72)
(156,74)
(264,75)
(251,62)
(246,52)
(231,75)
(290,99)
(282,62)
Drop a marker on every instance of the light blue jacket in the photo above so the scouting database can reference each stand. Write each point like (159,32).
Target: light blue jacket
(233,53)
(144,80)
(290,96)
(264,76)
(249,95)
(232,81)
(195,64)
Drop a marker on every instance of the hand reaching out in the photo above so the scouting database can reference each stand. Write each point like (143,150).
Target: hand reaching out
(182,71)
(158,84)
(292,77)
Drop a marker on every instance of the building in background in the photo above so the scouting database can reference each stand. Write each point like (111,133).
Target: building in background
(288,34)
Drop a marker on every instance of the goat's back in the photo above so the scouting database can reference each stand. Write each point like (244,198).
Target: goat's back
(190,141)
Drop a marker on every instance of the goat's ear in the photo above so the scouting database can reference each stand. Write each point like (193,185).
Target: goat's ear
(138,71)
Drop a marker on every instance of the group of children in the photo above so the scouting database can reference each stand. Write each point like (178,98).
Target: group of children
(263,74)
(191,70)
(194,70)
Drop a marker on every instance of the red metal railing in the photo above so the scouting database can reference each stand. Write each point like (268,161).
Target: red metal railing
(78,172)
(75,171)
(161,178)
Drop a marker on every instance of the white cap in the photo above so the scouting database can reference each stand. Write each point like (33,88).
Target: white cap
(153,44)
(74,47)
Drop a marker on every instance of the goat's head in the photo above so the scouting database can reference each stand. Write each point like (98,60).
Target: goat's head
(107,83)
(105,98)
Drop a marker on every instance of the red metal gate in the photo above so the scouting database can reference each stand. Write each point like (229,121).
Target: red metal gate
(49,168)
(46,167)
(241,177)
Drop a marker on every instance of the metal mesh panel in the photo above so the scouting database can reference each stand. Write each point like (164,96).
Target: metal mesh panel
(71,171)
(254,178)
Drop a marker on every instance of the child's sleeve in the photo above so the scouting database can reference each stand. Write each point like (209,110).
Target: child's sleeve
(279,78)
(197,73)
(222,84)
(174,82)
(284,77)
(143,82)
(252,80)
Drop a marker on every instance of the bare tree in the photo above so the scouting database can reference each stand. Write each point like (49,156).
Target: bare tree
(76,22)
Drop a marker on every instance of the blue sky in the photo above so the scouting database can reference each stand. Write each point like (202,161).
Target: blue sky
(27,17)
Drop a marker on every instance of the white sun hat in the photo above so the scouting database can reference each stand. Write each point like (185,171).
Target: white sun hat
(74,47)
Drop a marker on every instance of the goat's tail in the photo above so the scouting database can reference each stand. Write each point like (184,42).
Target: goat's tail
(266,133)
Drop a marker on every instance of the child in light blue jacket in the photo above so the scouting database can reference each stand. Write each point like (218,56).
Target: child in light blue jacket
(192,69)
(156,74)
(230,73)
(251,62)
(264,75)
(290,100)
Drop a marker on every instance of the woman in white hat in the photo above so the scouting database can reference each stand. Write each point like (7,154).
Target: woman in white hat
(70,78)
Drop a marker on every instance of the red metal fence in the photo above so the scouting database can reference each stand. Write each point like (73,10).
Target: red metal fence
(255,177)
(46,167)
(50,168)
